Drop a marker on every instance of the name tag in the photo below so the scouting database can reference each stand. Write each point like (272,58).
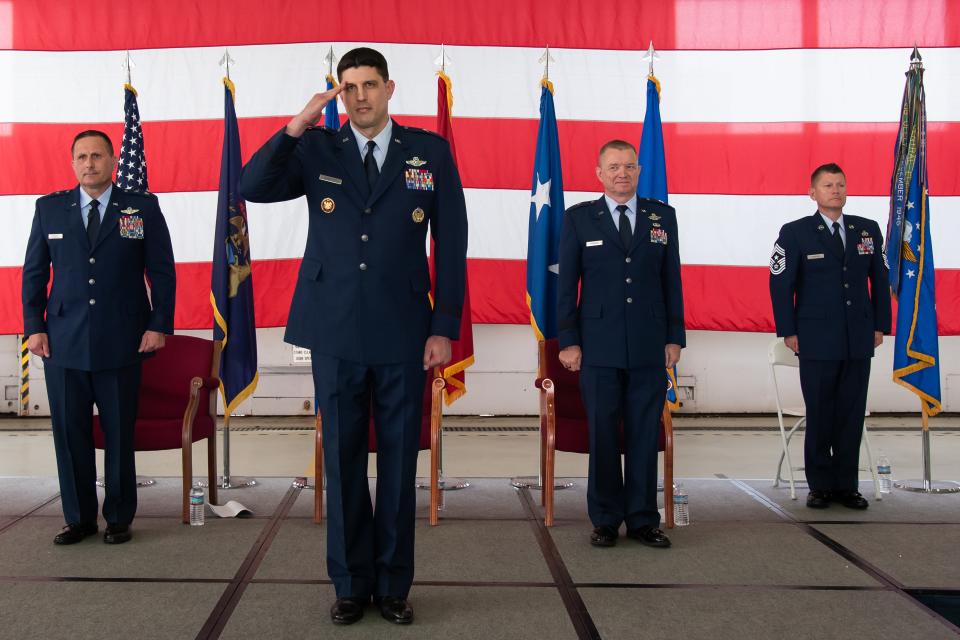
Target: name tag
(595,243)
(330,179)
(54,236)
(814,256)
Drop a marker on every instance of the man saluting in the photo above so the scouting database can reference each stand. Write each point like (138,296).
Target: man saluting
(362,307)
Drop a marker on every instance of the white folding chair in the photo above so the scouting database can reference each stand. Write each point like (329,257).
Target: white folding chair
(780,355)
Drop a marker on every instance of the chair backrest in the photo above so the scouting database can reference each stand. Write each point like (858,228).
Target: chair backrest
(165,394)
(573,433)
(779,354)
(165,384)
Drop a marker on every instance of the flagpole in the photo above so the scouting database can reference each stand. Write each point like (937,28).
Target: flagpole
(536,482)
(926,484)
(226,481)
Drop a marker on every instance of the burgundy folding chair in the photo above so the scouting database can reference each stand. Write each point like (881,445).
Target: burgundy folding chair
(563,427)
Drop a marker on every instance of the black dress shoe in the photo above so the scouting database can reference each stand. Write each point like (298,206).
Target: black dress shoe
(650,536)
(851,499)
(604,537)
(347,610)
(117,534)
(74,533)
(818,499)
(395,610)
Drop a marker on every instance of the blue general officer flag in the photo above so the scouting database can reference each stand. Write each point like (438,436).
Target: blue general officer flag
(546,219)
(909,251)
(331,117)
(653,182)
(231,290)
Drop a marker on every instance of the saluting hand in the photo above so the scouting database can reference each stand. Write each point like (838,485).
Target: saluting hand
(311,113)
(152,341)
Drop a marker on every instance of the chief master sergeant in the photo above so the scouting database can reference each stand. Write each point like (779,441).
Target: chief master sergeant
(831,305)
(96,326)
(362,306)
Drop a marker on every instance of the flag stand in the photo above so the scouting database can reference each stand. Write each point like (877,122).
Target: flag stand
(226,481)
(926,485)
(444,483)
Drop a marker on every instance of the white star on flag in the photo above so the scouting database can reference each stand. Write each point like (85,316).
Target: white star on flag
(910,205)
(541,198)
(911,273)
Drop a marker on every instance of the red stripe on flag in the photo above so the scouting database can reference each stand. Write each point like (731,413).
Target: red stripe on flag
(59,25)
(711,158)
(718,298)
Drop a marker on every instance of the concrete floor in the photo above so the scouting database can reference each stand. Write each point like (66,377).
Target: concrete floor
(741,447)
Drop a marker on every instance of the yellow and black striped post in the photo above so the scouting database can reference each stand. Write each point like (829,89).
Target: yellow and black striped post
(24,377)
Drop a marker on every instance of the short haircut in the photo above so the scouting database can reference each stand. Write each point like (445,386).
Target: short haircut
(615,144)
(830,167)
(92,133)
(363,57)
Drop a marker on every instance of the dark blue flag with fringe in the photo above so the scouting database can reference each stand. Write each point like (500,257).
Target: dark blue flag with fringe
(231,290)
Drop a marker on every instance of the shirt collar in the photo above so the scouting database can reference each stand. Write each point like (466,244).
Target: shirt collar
(829,222)
(382,139)
(612,204)
(103,198)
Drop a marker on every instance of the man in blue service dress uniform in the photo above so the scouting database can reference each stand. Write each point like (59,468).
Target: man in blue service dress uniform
(831,305)
(623,255)
(361,306)
(95,327)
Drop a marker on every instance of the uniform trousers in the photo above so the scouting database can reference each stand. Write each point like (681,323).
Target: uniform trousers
(633,397)
(835,395)
(72,394)
(370,552)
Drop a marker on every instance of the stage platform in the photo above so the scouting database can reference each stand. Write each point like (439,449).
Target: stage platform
(753,564)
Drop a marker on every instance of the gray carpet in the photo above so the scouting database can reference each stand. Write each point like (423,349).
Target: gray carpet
(451,613)
(710,553)
(740,570)
(917,557)
(20,495)
(709,614)
(902,506)
(146,611)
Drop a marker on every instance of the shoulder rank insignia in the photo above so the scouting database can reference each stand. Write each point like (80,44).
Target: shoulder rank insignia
(415,161)
(129,211)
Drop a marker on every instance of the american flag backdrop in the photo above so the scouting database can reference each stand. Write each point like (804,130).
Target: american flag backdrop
(756,93)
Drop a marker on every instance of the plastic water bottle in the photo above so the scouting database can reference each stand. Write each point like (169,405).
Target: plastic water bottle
(681,512)
(883,474)
(196,506)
